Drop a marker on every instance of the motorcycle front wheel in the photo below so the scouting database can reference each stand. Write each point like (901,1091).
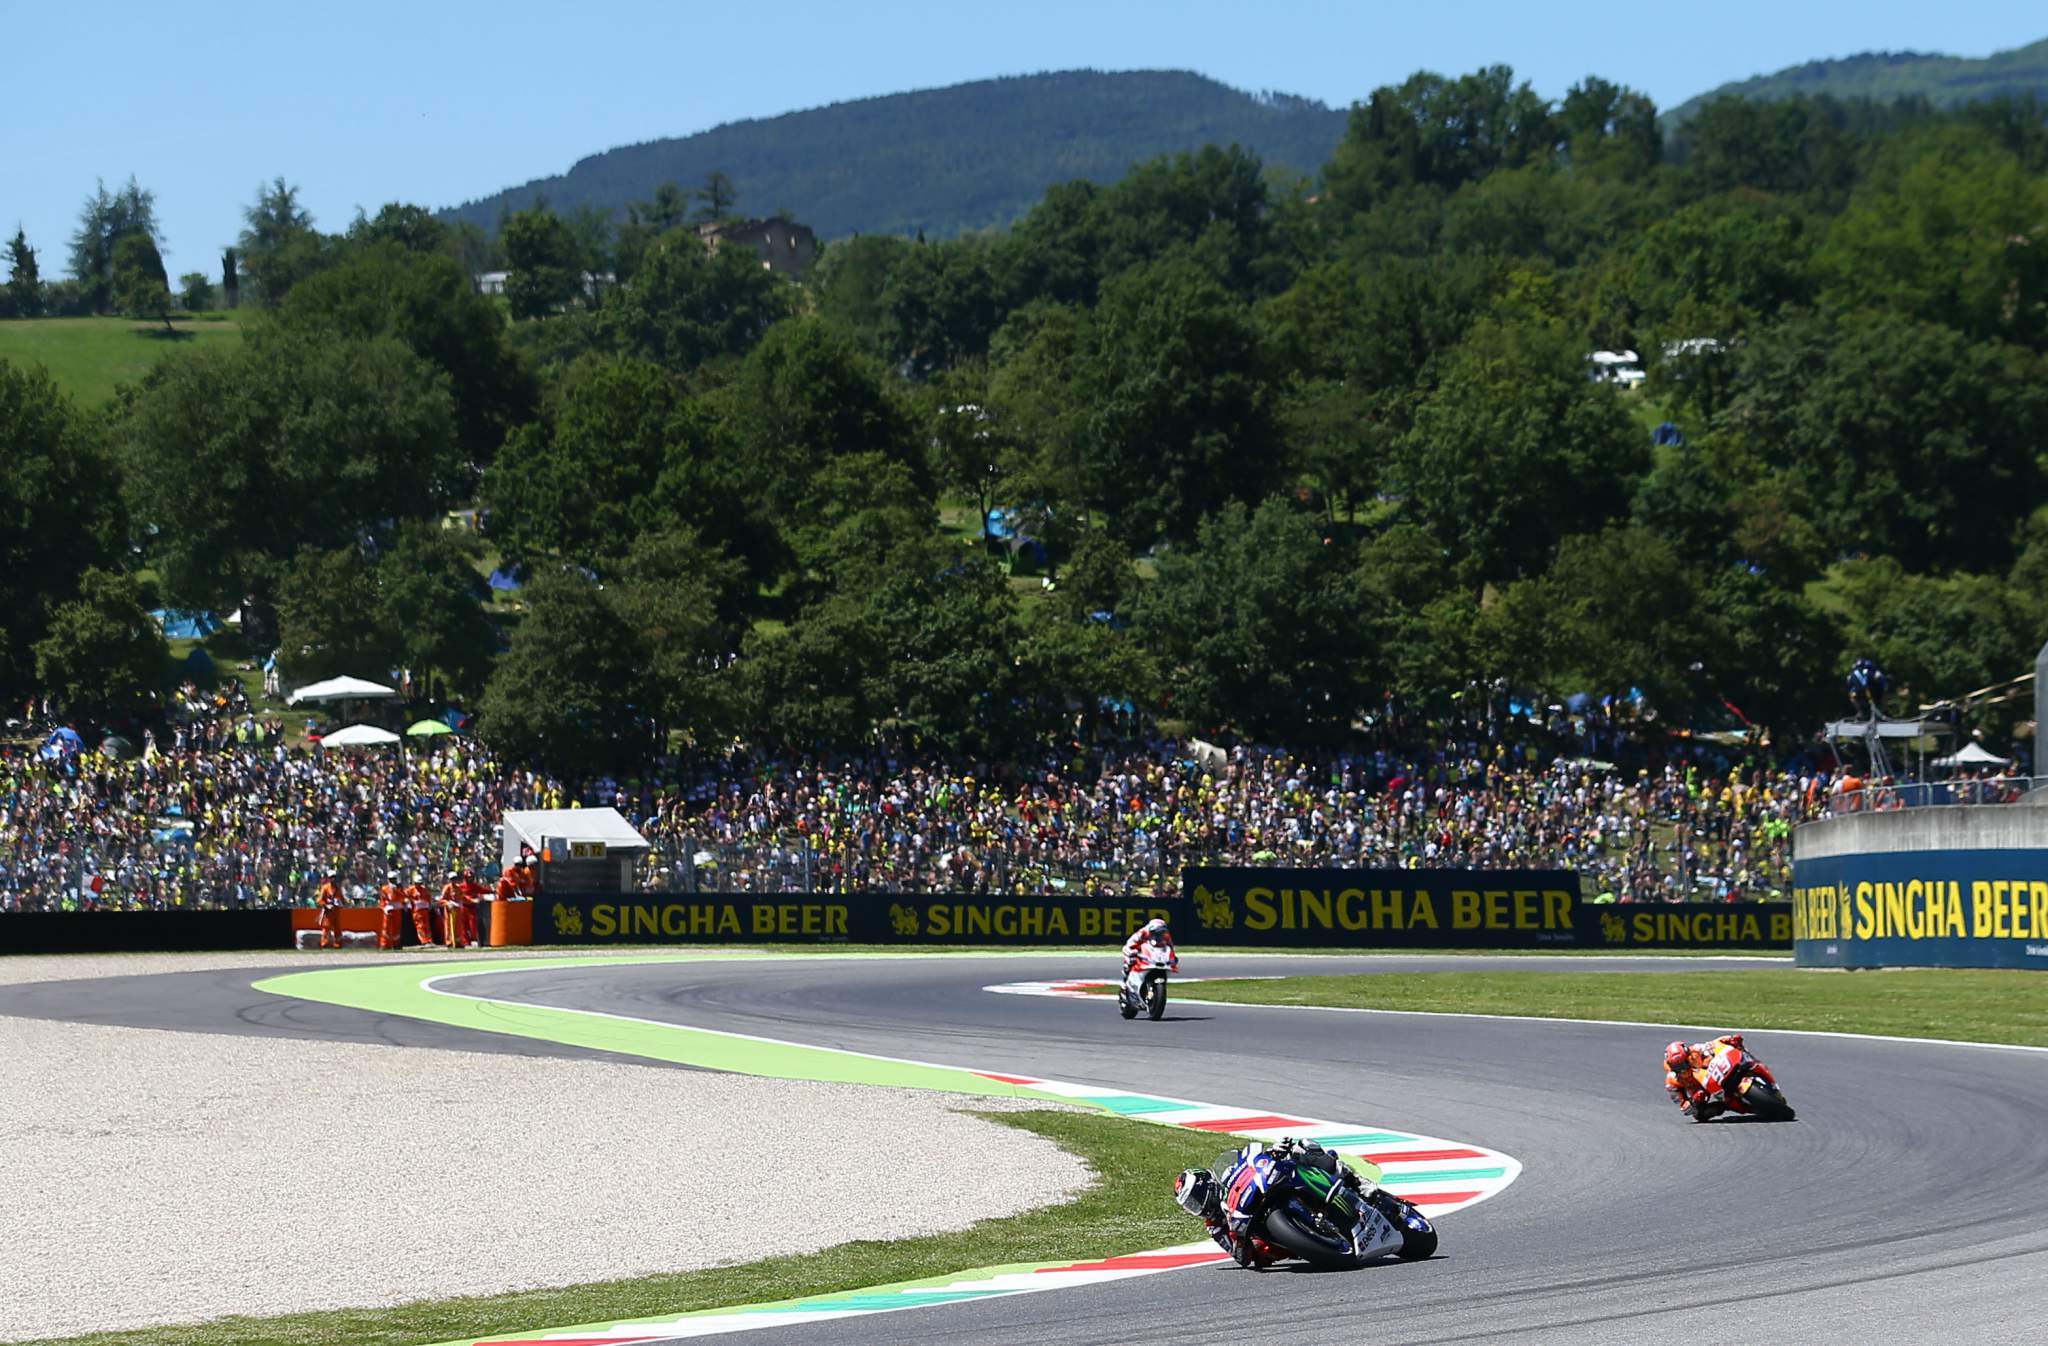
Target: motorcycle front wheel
(1296,1229)
(1155,996)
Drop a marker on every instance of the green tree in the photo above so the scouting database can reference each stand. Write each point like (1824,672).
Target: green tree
(234,460)
(718,196)
(942,305)
(805,395)
(1252,627)
(681,599)
(540,253)
(1514,449)
(1897,437)
(426,301)
(230,278)
(1182,413)
(104,220)
(625,450)
(328,618)
(1936,636)
(1952,229)
(279,246)
(141,290)
(411,228)
(687,304)
(24,282)
(195,291)
(429,602)
(1439,133)
(850,279)
(61,505)
(857,509)
(101,651)
(570,695)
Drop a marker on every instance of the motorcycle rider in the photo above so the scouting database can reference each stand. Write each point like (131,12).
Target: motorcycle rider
(1153,933)
(1689,1088)
(1200,1193)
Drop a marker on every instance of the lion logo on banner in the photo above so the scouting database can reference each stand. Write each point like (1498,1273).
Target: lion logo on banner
(1613,929)
(568,920)
(903,918)
(1213,908)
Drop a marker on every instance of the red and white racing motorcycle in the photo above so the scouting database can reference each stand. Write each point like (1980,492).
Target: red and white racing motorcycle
(1144,986)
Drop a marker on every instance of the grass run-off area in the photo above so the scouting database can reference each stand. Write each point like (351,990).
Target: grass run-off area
(1968,1005)
(1129,1208)
(91,357)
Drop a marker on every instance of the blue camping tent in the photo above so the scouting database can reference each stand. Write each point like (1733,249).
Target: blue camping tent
(179,625)
(505,581)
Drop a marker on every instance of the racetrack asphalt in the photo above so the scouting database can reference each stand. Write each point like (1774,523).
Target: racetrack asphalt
(1909,1203)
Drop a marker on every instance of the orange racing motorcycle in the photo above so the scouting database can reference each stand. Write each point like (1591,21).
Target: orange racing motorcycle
(1707,1079)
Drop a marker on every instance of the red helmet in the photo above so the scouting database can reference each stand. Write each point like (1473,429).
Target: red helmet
(1678,1056)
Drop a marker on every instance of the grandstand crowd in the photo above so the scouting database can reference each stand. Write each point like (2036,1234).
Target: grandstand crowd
(226,813)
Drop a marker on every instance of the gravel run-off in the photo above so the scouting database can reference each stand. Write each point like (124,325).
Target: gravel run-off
(159,1177)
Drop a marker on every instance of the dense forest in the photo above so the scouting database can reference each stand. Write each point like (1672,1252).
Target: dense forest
(1269,460)
(945,161)
(1942,81)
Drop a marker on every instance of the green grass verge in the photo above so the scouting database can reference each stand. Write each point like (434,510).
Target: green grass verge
(1128,1208)
(1966,1004)
(91,357)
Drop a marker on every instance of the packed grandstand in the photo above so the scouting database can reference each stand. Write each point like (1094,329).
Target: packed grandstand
(225,812)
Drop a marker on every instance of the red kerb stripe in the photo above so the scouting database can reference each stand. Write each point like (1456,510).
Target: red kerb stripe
(1436,1198)
(1143,1262)
(1006,1079)
(565,1341)
(1418,1156)
(1228,1124)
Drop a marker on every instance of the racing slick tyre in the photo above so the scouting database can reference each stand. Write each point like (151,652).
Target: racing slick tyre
(1295,1229)
(1766,1102)
(1124,1005)
(1416,1244)
(1155,997)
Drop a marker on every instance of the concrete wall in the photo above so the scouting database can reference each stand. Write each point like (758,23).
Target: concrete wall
(1961,827)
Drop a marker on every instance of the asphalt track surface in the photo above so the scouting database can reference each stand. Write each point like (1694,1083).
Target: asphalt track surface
(1909,1203)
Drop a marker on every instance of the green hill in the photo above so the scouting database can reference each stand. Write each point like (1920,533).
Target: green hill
(1884,75)
(945,160)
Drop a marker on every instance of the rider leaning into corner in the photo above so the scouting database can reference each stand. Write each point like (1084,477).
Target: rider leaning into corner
(1686,1079)
(1200,1194)
(1153,932)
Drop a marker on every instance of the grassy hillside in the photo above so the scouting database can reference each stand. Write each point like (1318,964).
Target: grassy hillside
(945,160)
(90,357)
(1941,80)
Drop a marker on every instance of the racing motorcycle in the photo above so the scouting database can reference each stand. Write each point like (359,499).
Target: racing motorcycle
(1144,986)
(1741,1084)
(1312,1207)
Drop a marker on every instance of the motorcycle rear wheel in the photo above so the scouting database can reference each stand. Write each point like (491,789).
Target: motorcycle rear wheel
(1766,1102)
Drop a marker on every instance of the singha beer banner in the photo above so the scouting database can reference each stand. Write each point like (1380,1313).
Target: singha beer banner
(1384,908)
(1933,908)
(861,918)
(1231,908)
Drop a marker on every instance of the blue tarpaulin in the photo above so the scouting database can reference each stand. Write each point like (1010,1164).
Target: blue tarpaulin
(62,743)
(180,625)
(505,580)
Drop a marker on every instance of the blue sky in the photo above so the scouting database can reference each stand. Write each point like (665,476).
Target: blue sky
(438,101)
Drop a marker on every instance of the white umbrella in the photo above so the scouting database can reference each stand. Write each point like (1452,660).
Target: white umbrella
(342,689)
(359,736)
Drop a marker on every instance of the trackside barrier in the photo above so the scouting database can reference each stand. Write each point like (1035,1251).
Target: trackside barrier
(152,931)
(1953,887)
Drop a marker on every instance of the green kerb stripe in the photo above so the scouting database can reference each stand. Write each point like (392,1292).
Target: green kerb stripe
(1360,1138)
(1129,1105)
(1408,1178)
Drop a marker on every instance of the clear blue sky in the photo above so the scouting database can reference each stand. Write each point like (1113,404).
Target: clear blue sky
(439,101)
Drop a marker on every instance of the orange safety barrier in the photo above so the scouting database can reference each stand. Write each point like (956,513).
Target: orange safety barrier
(352,918)
(511,923)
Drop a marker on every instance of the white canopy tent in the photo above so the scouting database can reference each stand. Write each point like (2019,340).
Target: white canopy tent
(360,736)
(1973,754)
(342,689)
